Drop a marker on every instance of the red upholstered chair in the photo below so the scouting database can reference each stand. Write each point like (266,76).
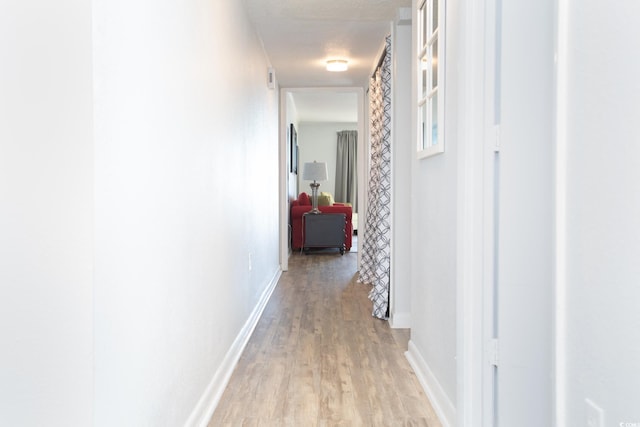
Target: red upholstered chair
(303,205)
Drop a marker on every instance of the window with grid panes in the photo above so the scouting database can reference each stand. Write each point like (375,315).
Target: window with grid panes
(430,77)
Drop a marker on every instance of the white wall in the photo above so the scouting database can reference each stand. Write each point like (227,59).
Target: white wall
(46,214)
(186,144)
(131,264)
(319,141)
(433,245)
(602,178)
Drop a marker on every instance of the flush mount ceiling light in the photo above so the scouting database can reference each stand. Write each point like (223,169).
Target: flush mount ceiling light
(337,65)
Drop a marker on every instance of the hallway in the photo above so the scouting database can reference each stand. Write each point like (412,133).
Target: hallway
(318,357)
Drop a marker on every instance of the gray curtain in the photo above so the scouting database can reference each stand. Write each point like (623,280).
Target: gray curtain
(346,169)
(376,249)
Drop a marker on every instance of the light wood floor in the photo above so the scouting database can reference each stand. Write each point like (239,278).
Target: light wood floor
(318,357)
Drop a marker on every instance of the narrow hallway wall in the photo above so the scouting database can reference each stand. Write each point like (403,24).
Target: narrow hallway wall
(186,218)
(136,141)
(46,214)
(601,176)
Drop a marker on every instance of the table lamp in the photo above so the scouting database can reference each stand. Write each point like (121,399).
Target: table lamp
(315,171)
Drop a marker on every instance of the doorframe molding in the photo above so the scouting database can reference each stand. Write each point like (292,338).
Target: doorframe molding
(475,242)
(284,201)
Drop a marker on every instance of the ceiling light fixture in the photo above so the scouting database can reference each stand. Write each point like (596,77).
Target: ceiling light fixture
(337,65)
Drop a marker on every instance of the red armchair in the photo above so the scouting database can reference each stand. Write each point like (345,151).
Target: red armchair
(303,205)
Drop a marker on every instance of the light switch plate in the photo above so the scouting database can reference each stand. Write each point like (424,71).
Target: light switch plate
(595,414)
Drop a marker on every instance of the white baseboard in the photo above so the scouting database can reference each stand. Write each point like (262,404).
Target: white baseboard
(207,404)
(442,405)
(400,320)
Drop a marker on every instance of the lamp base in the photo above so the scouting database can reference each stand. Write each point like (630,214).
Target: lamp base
(314,198)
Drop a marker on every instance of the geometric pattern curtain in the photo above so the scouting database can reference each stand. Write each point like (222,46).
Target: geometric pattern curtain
(346,168)
(376,251)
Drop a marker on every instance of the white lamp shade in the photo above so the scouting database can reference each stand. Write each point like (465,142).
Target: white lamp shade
(315,171)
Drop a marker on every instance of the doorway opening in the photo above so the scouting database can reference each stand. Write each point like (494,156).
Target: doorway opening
(316,114)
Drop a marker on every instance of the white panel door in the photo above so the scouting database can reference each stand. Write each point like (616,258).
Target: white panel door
(525,225)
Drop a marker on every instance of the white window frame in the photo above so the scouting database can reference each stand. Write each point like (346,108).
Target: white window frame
(430,88)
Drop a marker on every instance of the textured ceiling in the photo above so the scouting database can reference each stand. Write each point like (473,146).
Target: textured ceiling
(300,35)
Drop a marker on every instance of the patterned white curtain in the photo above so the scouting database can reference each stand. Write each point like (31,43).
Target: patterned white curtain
(376,253)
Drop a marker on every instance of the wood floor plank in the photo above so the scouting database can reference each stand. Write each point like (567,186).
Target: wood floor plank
(318,358)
